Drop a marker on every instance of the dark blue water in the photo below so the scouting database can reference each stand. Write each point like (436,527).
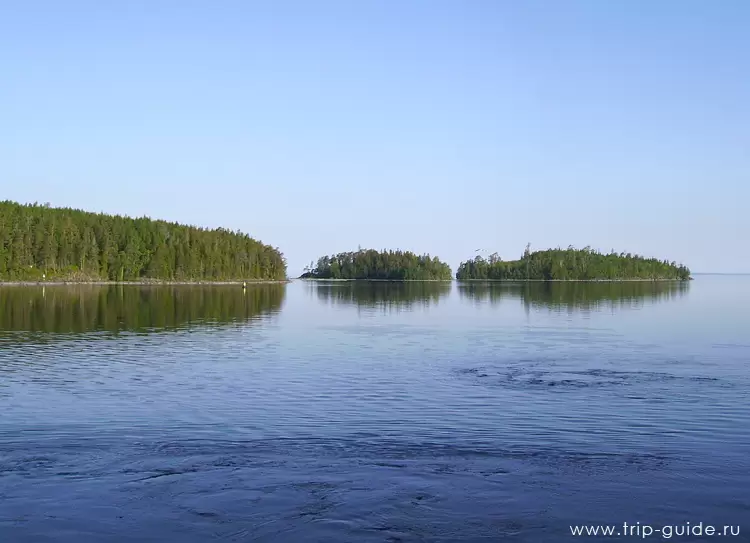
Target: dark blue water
(335,412)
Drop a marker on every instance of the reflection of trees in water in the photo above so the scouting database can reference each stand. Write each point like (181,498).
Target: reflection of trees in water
(576,294)
(86,308)
(386,294)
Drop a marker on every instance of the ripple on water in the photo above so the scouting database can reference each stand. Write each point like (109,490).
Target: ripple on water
(528,378)
(329,423)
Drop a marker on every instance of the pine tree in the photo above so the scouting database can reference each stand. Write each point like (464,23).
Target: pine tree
(67,243)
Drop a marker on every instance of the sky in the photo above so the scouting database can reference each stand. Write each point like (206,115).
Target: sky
(440,127)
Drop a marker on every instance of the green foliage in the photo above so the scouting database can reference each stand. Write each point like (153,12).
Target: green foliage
(371,264)
(571,264)
(88,308)
(70,244)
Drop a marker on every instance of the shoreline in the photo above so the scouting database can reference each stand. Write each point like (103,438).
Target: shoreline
(158,283)
(459,281)
(376,280)
(574,280)
(142,283)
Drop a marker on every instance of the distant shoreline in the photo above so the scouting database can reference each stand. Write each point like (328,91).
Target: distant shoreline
(157,283)
(635,280)
(494,280)
(317,279)
(144,283)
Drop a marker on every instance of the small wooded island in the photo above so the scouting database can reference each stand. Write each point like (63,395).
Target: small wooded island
(572,265)
(379,265)
(40,242)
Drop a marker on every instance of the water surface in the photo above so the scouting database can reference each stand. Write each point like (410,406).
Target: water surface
(372,411)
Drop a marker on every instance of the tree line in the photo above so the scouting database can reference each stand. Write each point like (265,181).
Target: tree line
(371,264)
(38,240)
(571,264)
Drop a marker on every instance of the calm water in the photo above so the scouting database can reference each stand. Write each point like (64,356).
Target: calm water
(372,412)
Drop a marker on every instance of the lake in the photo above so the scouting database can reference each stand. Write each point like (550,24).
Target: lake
(338,412)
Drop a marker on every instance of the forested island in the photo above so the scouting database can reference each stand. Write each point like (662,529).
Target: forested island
(40,242)
(572,265)
(379,265)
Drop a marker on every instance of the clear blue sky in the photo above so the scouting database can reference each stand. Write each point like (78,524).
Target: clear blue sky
(435,126)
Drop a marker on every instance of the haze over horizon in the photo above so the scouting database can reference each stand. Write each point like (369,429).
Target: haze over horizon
(439,127)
